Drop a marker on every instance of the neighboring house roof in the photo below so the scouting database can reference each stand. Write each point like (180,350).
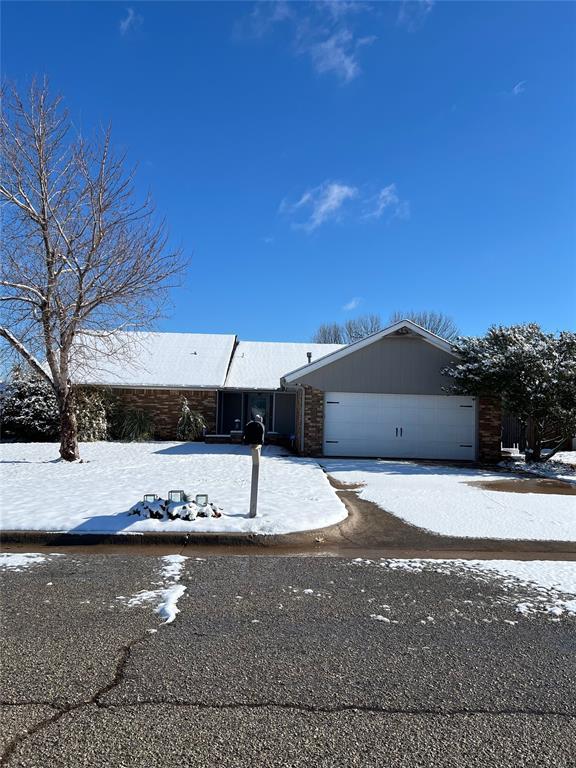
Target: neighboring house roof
(191,360)
(410,327)
(261,364)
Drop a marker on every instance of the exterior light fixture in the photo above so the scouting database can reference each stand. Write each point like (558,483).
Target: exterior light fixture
(176,496)
(150,497)
(202,499)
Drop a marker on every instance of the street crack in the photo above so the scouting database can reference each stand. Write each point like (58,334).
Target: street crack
(341,708)
(62,710)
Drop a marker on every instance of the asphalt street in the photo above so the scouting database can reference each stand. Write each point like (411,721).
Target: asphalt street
(278,661)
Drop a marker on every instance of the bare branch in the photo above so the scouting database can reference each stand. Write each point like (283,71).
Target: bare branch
(21,349)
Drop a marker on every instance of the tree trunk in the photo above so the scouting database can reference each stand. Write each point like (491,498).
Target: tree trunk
(533,440)
(69,450)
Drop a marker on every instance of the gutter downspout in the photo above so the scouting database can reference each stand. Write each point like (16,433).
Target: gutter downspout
(302,407)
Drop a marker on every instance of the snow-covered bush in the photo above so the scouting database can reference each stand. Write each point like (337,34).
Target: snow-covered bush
(191,424)
(92,414)
(163,509)
(28,408)
(136,425)
(533,372)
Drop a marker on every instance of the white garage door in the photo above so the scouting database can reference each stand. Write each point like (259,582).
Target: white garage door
(399,426)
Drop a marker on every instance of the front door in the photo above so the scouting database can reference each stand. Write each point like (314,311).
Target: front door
(257,405)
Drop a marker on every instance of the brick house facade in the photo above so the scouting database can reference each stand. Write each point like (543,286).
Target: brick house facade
(489,430)
(310,429)
(165,406)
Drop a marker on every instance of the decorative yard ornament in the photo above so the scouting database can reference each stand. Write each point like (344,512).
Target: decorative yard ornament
(177,496)
(254,437)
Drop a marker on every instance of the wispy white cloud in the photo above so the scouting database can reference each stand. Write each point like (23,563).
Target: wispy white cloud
(330,200)
(413,13)
(132,20)
(322,204)
(352,304)
(324,31)
(340,8)
(387,201)
(519,88)
(264,17)
(337,55)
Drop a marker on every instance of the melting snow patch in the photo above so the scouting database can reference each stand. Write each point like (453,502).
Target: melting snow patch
(552,583)
(19,561)
(166,598)
(173,566)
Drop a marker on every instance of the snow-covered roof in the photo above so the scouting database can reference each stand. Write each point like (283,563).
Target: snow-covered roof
(261,364)
(194,360)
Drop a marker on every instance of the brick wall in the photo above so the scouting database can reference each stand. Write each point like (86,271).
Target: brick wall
(313,402)
(489,429)
(165,407)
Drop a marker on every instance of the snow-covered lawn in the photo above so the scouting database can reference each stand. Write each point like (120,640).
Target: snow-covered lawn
(562,466)
(38,492)
(448,500)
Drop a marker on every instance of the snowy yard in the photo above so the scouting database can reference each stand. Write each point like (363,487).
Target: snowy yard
(41,493)
(451,501)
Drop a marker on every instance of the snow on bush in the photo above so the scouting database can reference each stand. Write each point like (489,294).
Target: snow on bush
(191,424)
(164,509)
(92,415)
(28,408)
(533,372)
(561,467)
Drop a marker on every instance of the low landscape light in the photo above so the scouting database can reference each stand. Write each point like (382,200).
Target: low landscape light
(176,496)
(202,499)
(150,497)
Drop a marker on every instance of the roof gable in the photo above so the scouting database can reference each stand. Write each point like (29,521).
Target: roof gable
(400,328)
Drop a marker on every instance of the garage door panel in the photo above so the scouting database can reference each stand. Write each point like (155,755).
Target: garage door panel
(403,426)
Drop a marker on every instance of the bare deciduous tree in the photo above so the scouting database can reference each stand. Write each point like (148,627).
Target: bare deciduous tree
(436,322)
(329,333)
(360,327)
(80,258)
(350,331)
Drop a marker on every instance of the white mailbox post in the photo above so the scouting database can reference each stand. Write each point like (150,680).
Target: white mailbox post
(255,450)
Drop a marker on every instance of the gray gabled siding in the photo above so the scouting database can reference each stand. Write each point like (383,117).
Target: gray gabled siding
(405,365)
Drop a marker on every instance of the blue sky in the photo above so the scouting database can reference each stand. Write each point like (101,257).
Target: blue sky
(322,160)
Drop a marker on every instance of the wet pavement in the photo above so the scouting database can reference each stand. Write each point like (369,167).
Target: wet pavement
(526,485)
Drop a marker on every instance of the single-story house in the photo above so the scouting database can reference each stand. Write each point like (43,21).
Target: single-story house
(383,396)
